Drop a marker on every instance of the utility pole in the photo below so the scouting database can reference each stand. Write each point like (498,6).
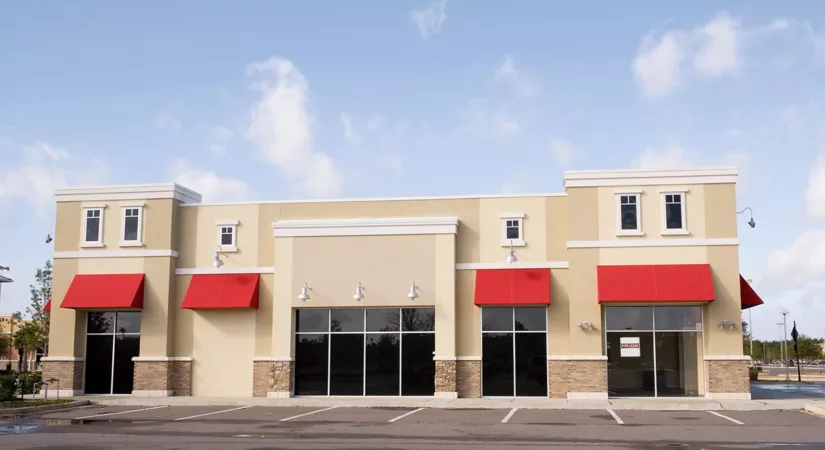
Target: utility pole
(750,326)
(785,341)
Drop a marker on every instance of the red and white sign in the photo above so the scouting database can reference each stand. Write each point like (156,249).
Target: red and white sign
(630,347)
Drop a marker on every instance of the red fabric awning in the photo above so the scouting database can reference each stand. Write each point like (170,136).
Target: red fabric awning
(512,287)
(222,291)
(656,283)
(48,306)
(105,291)
(749,297)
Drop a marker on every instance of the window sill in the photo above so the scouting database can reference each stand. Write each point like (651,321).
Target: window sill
(675,233)
(92,245)
(130,244)
(516,243)
(228,249)
(630,233)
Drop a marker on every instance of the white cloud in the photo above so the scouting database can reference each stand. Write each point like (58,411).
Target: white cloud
(815,195)
(281,128)
(795,116)
(479,120)
(167,119)
(350,134)
(563,150)
(720,46)
(517,184)
(44,168)
(676,157)
(522,82)
(212,187)
(220,139)
(656,67)
(429,20)
(799,263)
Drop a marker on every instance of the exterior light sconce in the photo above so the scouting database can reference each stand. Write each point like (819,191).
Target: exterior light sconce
(216,262)
(359,294)
(413,294)
(729,323)
(49,235)
(511,258)
(304,295)
(751,222)
(585,324)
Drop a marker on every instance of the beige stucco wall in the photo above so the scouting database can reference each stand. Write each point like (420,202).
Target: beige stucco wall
(652,209)
(198,235)
(727,306)
(222,353)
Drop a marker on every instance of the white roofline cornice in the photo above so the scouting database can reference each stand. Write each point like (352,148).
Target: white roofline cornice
(365,227)
(640,177)
(128,192)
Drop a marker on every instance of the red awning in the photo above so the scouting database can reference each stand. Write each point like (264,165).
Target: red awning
(105,291)
(222,291)
(749,297)
(656,283)
(48,306)
(512,287)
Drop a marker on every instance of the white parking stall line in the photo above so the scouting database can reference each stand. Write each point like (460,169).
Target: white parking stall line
(307,414)
(405,415)
(120,412)
(726,417)
(509,415)
(615,416)
(213,412)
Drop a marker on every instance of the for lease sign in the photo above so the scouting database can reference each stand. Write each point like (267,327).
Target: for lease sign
(630,347)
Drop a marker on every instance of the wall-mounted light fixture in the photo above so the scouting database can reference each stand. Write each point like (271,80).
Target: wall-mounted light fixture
(412,295)
(304,295)
(49,235)
(751,222)
(216,261)
(727,323)
(585,324)
(511,257)
(359,294)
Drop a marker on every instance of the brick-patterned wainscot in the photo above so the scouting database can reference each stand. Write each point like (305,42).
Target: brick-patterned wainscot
(279,377)
(445,376)
(261,378)
(577,376)
(468,379)
(728,379)
(160,377)
(69,374)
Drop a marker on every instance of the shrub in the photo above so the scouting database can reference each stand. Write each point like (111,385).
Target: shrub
(13,385)
(30,383)
(7,386)
(754,373)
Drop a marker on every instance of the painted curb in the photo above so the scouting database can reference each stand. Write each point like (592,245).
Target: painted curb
(813,409)
(42,408)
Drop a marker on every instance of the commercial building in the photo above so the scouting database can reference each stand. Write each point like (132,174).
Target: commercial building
(626,284)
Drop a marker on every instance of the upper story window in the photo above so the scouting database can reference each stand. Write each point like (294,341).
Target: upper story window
(674,220)
(512,229)
(92,226)
(629,213)
(228,235)
(132,233)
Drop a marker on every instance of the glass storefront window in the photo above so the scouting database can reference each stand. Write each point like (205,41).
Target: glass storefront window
(514,351)
(621,318)
(112,340)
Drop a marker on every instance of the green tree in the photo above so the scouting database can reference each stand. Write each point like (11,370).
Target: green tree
(809,348)
(37,334)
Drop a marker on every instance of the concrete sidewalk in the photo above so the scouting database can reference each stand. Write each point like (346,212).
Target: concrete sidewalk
(651,404)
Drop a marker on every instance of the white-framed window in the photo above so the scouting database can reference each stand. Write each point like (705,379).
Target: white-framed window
(92,226)
(512,230)
(629,213)
(228,235)
(132,231)
(674,217)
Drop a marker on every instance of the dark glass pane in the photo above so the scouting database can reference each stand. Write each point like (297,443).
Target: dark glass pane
(128,322)
(417,365)
(311,362)
(99,364)
(100,322)
(126,348)
(497,319)
(678,317)
(382,319)
(629,218)
(512,232)
(92,229)
(677,364)
(312,320)
(130,229)
(630,375)
(673,213)
(531,319)
(226,239)
(382,363)
(417,319)
(345,320)
(497,364)
(619,318)
(346,364)
(531,364)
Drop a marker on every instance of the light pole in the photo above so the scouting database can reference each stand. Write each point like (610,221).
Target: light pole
(750,326)
(785,341)
(781,346)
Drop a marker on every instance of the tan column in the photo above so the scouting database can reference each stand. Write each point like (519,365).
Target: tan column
(282,321)
(445,317)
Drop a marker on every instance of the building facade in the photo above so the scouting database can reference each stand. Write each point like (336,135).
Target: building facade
(626,284)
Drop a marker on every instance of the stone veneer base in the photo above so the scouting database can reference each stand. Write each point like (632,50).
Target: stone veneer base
(468,378)
(69,374)
(728,379)
(445,376)
(577,378)
(162,378)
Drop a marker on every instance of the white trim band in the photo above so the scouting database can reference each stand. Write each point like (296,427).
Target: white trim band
(61,358)
(728,358)
(116,254)
(444,358)
(468,358)
(618,178)
(619,243)
(219,270)
(515,265)
(366,227)
(161,358)
(380,199)
(271,358)
(576,358)
(226,223)
(128,192)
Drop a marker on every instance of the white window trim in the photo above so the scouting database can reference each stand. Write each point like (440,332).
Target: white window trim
(99,242)
(228,224)
(638,231)
(123,207)
(674,231)
(514,242)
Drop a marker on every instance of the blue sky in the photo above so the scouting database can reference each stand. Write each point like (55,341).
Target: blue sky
(276,100)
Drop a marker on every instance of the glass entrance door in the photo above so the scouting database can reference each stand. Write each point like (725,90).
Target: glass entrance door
(112,340)
(514,352)
(653,351)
